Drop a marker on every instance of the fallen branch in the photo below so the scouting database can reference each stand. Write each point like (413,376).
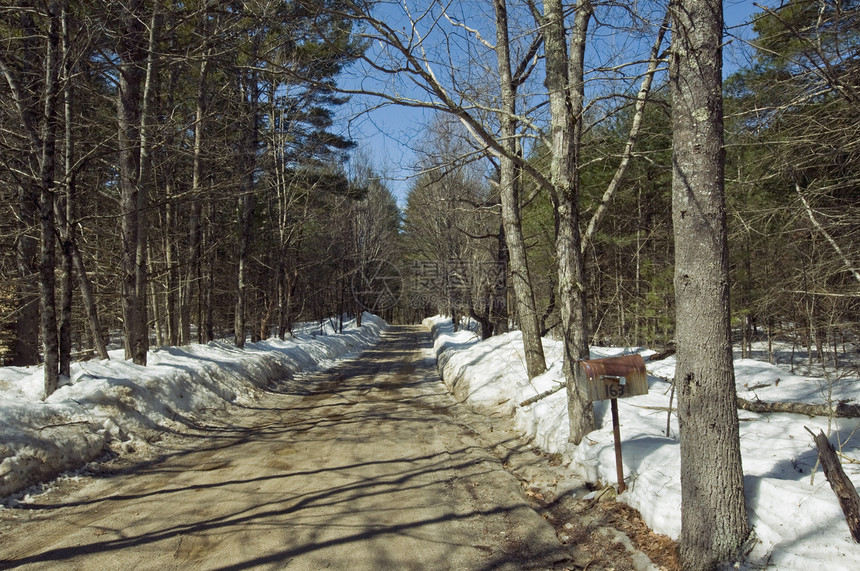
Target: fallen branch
(543,395)
(70,423)
(841,410)
(849,500)
(659,408)
(662,355)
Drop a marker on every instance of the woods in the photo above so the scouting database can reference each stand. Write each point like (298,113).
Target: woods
(158,155)
(591,171)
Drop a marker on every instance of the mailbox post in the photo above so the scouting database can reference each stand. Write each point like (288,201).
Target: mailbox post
(613,378)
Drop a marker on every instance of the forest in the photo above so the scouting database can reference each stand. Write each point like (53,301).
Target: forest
(170,170)
(592,171)
(175,171)
(790,185)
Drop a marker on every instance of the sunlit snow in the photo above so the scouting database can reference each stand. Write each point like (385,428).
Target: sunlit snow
(112,406)
(797,520)
(115,405)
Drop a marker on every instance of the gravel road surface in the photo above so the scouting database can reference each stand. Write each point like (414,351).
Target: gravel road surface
(370,465)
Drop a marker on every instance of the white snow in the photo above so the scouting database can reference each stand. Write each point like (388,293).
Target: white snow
(797,521)
(116,405)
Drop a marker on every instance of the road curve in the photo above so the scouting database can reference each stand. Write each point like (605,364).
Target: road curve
(371,465)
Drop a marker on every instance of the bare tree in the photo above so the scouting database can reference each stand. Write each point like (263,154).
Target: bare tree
(565,81)
(509,192)
(493,122)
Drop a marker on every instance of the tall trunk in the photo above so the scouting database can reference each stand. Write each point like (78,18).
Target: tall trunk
(171,255)
(565,83)
(246,207)
(64,205)
(206,283)
(141,324)
(291,283)
(89,301)
(156,312)
(137,75)
(637,288)
(509,192)
(498,297)
(246,218)
(132,54)
(192,273)
(67,215)
(281,279)
(65,323)
(713,513)
(47,265)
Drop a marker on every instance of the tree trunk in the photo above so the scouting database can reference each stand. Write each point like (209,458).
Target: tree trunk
(841,485)
(509,192)
(155,310)
(499,296)
(206,283)
(171,256)
(47,279)
(192,272)
(132,54)
(66,217)
(840,409)
(246,207)
(713,512)
(64,206)
(141,323)
(89,303)
(65,327)
(565,83)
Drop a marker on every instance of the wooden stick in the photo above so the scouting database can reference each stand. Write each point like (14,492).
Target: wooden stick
(616,434)
(841,410)
(845,491)
(544,394)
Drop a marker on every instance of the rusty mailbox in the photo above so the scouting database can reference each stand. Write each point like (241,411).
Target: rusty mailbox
(614,377)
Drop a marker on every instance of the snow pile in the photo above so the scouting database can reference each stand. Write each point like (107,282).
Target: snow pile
(797,520)
(117,405)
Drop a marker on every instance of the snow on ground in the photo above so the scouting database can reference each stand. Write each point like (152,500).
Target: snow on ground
(796,517)
(115,405)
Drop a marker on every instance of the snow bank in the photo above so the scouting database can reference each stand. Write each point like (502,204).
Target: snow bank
(117,405)
(797,521)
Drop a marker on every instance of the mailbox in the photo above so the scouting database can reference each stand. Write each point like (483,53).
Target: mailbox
(614,377)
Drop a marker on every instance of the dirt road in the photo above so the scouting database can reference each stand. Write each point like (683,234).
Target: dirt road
(371,465)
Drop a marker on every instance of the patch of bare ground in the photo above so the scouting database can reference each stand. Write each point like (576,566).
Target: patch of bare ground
(662,550)
(607,534)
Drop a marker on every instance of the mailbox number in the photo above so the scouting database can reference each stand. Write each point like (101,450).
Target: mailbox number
(614,390)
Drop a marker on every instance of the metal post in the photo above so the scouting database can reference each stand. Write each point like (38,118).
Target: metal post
(616,432)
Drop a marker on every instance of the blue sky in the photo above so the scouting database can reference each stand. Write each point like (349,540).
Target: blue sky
(388,135)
